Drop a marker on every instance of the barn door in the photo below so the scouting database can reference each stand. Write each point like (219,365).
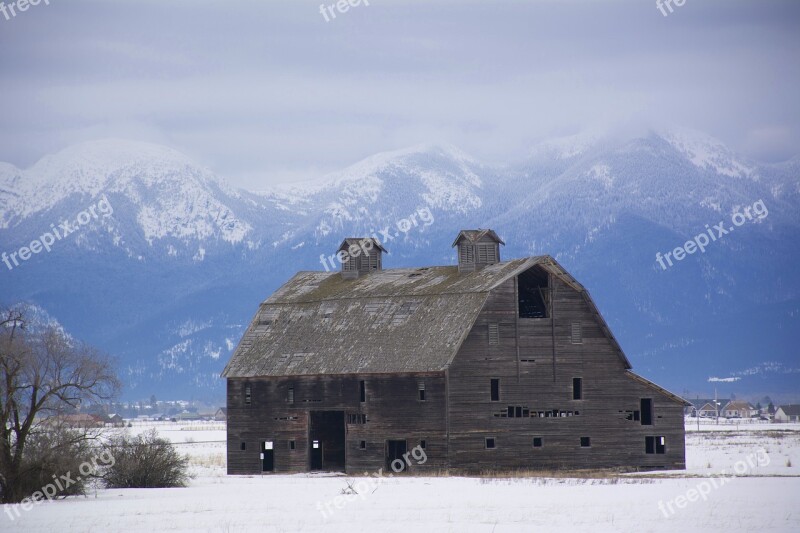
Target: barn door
(396,456)
(267,456)
(316,455)
(327,440)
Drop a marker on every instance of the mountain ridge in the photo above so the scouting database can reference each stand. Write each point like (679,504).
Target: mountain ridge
(184,247)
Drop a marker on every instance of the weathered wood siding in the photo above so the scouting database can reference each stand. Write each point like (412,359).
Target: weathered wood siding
(392,409)
(545,384)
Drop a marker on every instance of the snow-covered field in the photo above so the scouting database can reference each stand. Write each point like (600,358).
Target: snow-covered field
(763,497)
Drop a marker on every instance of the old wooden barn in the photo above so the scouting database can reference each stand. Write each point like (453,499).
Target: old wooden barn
(484,365)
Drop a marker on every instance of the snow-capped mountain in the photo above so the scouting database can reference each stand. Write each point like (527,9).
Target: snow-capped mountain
(170,277)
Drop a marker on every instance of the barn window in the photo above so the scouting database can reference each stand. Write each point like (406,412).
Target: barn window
(647,411)
(489,443)
(494,334)
(248,394)
(533,294)
(577,388)
(362,445)
(655,444)
(495,389)
(421,391)
(292,445)
(466,254)
(538,442)
(516,411)
(586,442)
(362,391)
(576,334)
(357,418)
(422,444)
(243,446)
(487,253)
(290,395)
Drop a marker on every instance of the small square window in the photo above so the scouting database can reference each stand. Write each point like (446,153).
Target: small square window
(290,395)
(362,445)
(362,390)
(243,446)
(490,444)
(538,442)
(586,442)
(248,394)
(292,445)
(422,444)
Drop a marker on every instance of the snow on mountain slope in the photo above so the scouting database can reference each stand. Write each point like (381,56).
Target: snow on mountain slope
(171,195)
(191,244)
(707,152)
(382,189)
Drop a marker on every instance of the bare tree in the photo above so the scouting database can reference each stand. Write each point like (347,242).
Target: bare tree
(43,374)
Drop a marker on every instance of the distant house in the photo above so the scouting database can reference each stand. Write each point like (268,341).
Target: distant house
(710,409)
(737,409)
(705,407)
(115,420)
(78,420)
(484,365)
(788,413)
(222,414)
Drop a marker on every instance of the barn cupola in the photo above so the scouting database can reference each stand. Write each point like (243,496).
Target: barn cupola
(477,248)
(359,256)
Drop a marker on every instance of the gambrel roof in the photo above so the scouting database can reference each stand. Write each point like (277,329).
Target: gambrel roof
(401,320)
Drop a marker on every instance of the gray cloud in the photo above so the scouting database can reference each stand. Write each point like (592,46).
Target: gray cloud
(268,91)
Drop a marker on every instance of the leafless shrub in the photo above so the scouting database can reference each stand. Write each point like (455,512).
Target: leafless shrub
(145,461)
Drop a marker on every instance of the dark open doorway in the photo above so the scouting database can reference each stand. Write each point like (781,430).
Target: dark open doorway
(327,441)
(267,456)
(395,450)
(533,293)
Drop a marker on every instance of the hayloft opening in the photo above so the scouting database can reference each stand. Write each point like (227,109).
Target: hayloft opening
(533,293)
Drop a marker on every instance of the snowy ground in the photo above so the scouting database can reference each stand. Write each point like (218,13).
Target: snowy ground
(763,497)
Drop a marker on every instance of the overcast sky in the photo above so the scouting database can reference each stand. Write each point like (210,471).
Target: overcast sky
(268,91)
